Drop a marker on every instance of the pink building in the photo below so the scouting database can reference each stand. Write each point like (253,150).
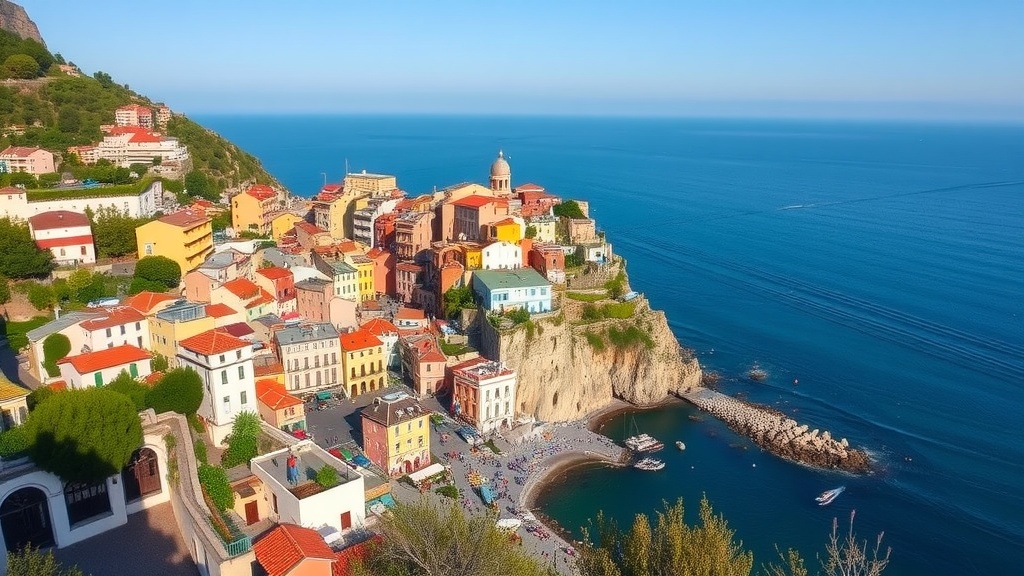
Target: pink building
(68,235)
(383,271)
(24,159)
(280,283)
(413,234)
(535,201)
(423,362)
(134,115)
(475,214)
(406,277)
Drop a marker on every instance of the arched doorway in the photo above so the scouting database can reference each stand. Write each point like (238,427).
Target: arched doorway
(408,466)
(25,519)
(354,391)
(141,477)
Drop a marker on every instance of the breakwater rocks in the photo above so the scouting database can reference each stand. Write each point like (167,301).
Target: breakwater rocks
(779,434)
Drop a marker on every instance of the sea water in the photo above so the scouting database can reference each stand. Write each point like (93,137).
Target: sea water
(875,271)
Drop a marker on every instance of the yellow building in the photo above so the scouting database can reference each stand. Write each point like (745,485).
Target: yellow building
(185,237)
(364,275)
(396,436)
(250,210)
(474,256)
(362,361)
(282,223)
(184,320)
(507,230)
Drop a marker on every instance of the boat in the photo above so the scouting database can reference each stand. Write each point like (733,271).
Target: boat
(643,443)
(826,497)
(756,373)
(650,464)
(680,445)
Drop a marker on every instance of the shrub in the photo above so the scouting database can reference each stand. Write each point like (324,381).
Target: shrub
(592,313)
(159,269)
(619,310)
(616,287)
(327,477)
(30,561)
(200,449)
(215,481)
(586,296)
(244,440)
(40,296)
(595,341)
(55,347)
(629,337)
(14,442)
(37,396)
(448,491)
(180,390)
(568,209)
(159,363)
(519,315)
(130,387)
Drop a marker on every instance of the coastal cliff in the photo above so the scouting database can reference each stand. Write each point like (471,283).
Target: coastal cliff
(569,366)
(15,20)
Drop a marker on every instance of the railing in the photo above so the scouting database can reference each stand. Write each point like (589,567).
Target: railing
(239,546)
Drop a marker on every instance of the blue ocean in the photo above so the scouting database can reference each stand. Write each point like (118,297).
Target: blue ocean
(875,271)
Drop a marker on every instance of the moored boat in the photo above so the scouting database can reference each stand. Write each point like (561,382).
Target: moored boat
(680,445)
(643,443)
(650,464)
(826,497)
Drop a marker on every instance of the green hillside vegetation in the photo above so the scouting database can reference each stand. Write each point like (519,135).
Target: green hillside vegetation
(54,111)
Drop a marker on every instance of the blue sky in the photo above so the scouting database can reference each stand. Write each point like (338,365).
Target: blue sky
(866,58)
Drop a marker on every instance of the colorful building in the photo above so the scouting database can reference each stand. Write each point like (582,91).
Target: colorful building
(423,363)
(26,159)
(362,363)
(282,223)
(364,276)
(183,320)
(396,435)
(224,363)
(507,230)
(502,290)
(280,283)
(251,210)
(413,234)
(484,393)
(279,408)
(67,235)
(309,354)
(96,369)
(185,237)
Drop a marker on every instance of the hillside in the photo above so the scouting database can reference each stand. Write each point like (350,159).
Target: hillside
(14,19)
(53,110)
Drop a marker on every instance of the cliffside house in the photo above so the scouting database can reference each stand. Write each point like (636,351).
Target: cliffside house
(502,290)
(26,159)
(185,237)
(224,363)
(67,235)
(484,394)
(23,204)
(96,369)
(291,550)
(396,435)
(127,145)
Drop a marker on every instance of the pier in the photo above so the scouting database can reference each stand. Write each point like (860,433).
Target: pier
(779,434)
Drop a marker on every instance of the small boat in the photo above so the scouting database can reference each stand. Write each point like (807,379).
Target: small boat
(756,373)
(680,445)
(826,497)
(650,464)
(643,443)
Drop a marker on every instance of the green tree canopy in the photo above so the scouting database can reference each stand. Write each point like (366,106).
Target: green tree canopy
(19,256)
(457,298)
(84,435)
(31,561)
(114,232)
(198,184)
(214,481)
(55,347)
(244,440)
(568,209)
(180,390)
(159,269)
(21,66)
(5,290)
(130,387)
(432,539)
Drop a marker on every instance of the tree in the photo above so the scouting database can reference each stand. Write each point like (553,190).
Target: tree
(84,435)
(244,440)
(55,347)
(21,66)
(198,184)
(143,285)
(114,232)
(457,298)
(159,269)
(531,232)
(31,561)
(5,290)
(568,209)
(19,256)
(159,363)
(180,390)
(130,387)
(669,547)
(432,539)
(843,557)
(103,78)
(69,119)
(40,296)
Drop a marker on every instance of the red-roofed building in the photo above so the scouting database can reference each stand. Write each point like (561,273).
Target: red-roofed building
(423,363)
(68,235)
(290,550)
(149,303)
(475,214)
(127,145)
(362,360)
(251,211)
(384,230)
(115,326)
(101,367)
(279,408)
(535,201)
(244,294)
(549,261)
(280,283)
(388,335)
(25,159)
(411,319)
(224,363)
(310,236)
(133,115)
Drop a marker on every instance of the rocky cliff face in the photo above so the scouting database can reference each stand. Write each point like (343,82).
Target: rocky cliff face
(14,19)
(564,376)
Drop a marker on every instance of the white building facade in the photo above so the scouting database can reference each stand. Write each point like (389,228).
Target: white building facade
(67,235)
(97,369)
(224,363)
(501,256)
(14,202)
(485,392)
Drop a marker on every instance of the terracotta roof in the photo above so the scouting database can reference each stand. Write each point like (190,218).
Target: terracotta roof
(426,348)
(154,378)
(309,228)
(243,288)
(281,549)
(238,329)
(115,317)
(410,314)
(274,273)
(273,395)
(261,192)
(58,219)
(185,219)
(146,301)
(529,187)
(58,385)
(345,558)
(219,310)
(108,358)
(379,327)
(474,201)
(331,188)
(9,390)
(47,243)
(505,222)
(408,267)
(375,252)
(268,368)
(12,190)
(19,151)
(358,340)
(214,341)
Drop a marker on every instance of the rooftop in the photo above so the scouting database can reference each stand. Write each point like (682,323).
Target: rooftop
(242,288)
(214,341)
(65,321)
(284,547)
(518,278)
(404,313)
(306,333)
(19,151)
(261,192)
(58,219)
(185,219)
(273,395)
(475,201)
(310,459)
(481,368)
(391,413)
(144,302)
(379,327)
(9,390)
(274,272)
(358,340)
(219,310)
(117,316)
(107,358)
(238,329)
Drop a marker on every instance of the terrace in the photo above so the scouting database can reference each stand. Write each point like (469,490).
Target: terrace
(310,459)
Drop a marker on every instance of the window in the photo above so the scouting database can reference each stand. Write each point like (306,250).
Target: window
(61,251)
(98,379)
(227,404)
(238,354)
(138,326)
(334,357)
(428,367)
(506,391)
(221,358)
(420,444)
(398,446)
(123,331)
(133,370)
(108,332)
(243,399)
(85,501)
(241,372)
(224,377)
(421,423)
(83,251)
(149,249)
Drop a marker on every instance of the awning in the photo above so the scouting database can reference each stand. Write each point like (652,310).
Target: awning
(421,475)
(323,396)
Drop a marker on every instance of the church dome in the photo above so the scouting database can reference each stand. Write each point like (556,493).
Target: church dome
(500,168)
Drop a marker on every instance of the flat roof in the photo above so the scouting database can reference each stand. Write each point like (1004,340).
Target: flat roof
(518,278)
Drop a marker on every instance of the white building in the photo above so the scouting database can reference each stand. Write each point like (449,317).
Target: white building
(24,159)
(301,500)
(127,145)
(94,369)
(501,256)
(484,392)
(68,235)
(224,363)
(502,290)
(309,354)
(15,202)
(117,326)
(364,219)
